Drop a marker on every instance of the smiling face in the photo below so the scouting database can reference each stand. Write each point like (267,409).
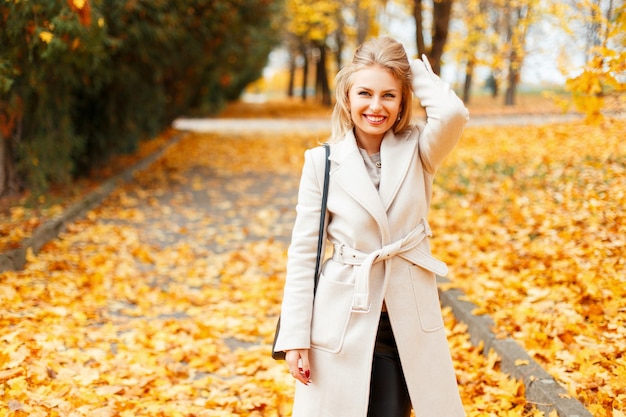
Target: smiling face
(375,100)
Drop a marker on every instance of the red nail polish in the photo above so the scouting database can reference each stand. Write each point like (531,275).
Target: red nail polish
(307,374)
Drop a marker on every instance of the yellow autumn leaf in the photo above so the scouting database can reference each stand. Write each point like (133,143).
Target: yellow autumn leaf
(107,390)
(46,36)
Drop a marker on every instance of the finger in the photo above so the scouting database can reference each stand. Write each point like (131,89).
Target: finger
(418,68)
(294,358)
(300,376)
(305,366)
(429,68)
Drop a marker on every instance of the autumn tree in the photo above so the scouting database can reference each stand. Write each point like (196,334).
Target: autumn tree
(517,17)
(316,29)
(495,34)
(474,42)
(441,14)
(364,20)
(604,71)
(309,26)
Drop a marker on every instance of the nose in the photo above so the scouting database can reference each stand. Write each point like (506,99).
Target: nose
(375,104)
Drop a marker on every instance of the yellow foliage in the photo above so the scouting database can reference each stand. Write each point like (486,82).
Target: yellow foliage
(312,20)
(46,36)
(79,4)
(531,220)
(604,72)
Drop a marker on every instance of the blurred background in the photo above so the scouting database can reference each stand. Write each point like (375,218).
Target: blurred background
(82,80)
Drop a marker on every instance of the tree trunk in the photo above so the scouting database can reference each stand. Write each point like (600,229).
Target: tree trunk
(322,88)
(467,87)
(511,89)
(513,16)
(362,23)
(338,54)
(492,84)
(8,171)
(442,11)
(292,75)
(339,39)
(10,130)
(305,73)
(419,28)
(441,17)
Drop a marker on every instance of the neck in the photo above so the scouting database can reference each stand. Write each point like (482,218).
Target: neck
(370,144)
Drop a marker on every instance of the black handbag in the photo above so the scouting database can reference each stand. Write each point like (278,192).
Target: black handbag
(280,355)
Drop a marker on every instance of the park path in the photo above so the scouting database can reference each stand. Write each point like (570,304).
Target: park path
(321,125)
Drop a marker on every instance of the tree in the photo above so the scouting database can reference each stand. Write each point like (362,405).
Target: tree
(473,43)
(365,18)
(310,24)
(442,11)
(605,65)
(316,29)
(517,19)
(494,34)
(49,51)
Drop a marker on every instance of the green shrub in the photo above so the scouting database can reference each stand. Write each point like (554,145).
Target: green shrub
(83,80)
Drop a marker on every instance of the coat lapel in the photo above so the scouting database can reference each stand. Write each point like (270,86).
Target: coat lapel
(396,154)
(350,174)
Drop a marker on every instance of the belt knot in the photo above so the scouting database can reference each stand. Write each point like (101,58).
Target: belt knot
(389,251)
(360,300)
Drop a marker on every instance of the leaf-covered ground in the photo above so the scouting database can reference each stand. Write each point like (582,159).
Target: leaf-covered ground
(533,223)
(22,213)
(163,300)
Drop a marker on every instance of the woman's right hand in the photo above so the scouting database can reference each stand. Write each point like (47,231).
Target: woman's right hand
(298,363)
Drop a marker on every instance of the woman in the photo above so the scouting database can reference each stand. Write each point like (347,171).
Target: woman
(372,341)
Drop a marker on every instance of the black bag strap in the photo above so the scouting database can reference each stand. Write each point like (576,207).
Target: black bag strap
(280,355)
(320,238)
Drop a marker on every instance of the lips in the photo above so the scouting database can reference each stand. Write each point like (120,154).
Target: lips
(374,119)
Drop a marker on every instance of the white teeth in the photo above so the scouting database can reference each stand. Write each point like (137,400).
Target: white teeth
(375,119)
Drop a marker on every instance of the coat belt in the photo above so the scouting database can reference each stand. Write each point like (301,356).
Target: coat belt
(405,248)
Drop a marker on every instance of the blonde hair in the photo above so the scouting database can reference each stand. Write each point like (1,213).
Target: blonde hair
(386,53)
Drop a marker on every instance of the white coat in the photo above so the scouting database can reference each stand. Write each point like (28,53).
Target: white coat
(384,228)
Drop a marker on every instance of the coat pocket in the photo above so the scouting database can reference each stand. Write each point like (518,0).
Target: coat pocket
(331,312)
(427,299)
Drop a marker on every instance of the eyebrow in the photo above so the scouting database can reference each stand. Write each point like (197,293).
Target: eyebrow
(384,91)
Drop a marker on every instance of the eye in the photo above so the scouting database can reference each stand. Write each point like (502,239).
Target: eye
(390,95)
(364,93)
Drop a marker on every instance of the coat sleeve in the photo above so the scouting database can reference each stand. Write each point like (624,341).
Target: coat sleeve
(297,304)
(446,115)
